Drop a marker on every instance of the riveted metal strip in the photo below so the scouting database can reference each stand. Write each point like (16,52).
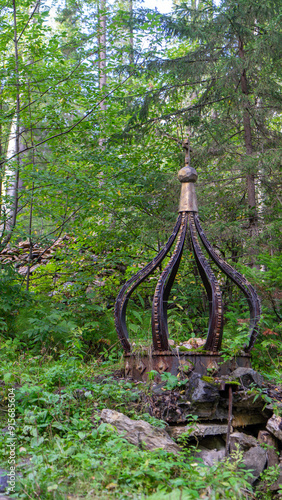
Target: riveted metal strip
(241,282)
(215,328)
(131,285)
(165,282)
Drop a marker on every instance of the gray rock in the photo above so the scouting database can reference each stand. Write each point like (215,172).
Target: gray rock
(246,376)
(158,389)
(202,398)
(271,445)
(243,401)
(254,457)
(272,406)
(200,391)
(139,432)
(210,457)
(274,425)
(255,460)
(244,441)
(199,430)
(211,450)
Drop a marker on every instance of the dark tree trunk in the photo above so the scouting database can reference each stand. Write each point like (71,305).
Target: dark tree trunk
(251,189)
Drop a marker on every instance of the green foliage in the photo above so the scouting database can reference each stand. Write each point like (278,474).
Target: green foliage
(105,212)
(63,448)
(48,328)
(12,299)
(172,382)
(268,478)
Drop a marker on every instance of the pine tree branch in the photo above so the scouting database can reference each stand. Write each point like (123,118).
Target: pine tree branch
(178,112)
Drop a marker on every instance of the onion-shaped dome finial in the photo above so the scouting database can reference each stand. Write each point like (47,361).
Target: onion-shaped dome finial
(187,224)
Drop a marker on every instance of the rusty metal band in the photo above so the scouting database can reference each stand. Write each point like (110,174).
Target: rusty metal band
(241,282)
(159,309)
(215,328)
(132,283)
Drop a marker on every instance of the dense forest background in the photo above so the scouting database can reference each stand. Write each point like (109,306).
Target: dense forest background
(96,101)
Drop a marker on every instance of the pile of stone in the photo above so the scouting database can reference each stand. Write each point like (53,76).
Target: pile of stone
(22,255)
(197,413)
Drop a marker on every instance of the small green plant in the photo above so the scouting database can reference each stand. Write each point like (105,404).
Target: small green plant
(260,392)
(267,479)
(191,424)
(152,375)
(172,382)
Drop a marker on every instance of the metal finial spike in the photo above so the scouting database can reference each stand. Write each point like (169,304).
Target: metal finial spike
(188,198)
(186,147)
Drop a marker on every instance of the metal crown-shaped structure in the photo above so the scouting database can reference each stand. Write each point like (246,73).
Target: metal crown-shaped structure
(187,225)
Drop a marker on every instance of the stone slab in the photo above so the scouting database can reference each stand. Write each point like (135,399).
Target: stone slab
(197,430)
(244,419)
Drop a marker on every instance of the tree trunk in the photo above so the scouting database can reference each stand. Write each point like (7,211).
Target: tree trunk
(16,146)
(251,189)
(131,54)
(102,60)
(1,155)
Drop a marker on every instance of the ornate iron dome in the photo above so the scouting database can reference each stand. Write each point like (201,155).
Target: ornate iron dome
(187,223)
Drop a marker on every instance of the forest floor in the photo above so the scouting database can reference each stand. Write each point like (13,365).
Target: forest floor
(64,451)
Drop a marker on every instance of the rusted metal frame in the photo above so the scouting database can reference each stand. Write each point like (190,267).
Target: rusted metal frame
(215,328)
(159,309)
(131,285)
(138,366)
(240,280)
(167,290)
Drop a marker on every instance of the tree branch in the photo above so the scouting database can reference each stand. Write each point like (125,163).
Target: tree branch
(73,126)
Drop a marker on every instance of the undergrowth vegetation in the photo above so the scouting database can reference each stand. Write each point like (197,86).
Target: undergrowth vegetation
(59,350)
(64,451)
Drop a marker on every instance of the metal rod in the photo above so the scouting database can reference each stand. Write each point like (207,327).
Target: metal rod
(230,416)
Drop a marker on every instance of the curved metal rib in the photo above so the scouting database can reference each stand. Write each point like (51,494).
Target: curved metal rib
(215,329)
(132,283)
(159,310)
(240,280)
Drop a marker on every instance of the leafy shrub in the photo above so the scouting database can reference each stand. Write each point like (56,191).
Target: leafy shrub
(45,327)
(13,298)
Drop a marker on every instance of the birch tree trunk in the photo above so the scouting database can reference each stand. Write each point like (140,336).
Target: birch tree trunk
(131,47)
(15,146)
(1,153)
(102,60)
